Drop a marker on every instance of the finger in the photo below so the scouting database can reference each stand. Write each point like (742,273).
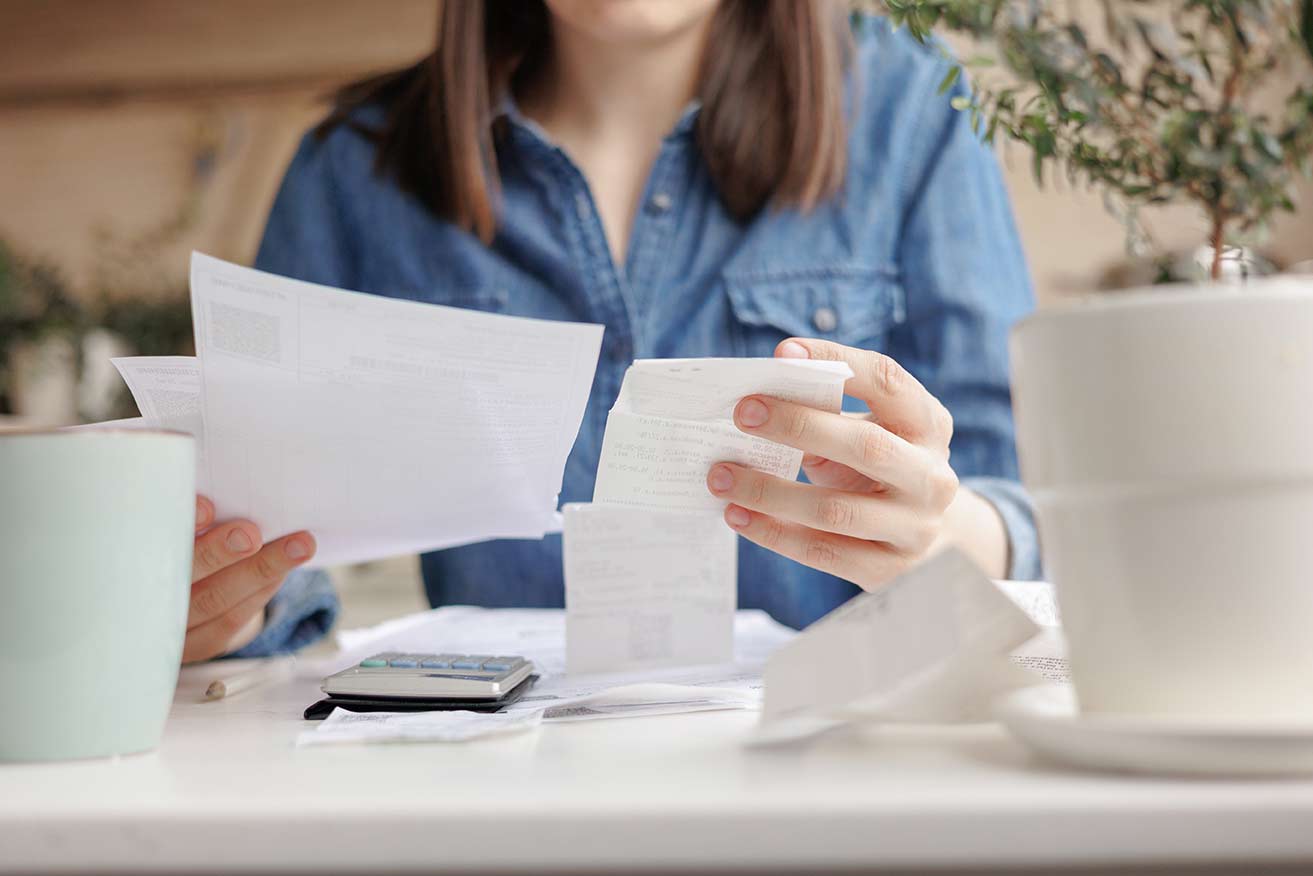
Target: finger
(204,513)
(856,442)
(222,546)
(828,473)
(217,594)
(212,638)
(861,516)
(897,400)
(866,563)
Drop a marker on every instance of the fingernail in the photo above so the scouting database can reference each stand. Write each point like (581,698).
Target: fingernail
(809,460)
(736,517)
(296,550)
(239,542)
(201,513)
(721,479)
(752,412)
(792,350)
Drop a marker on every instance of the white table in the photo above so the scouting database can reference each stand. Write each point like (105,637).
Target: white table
(228,792)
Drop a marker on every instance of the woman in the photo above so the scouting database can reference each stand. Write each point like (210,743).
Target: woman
(733,178)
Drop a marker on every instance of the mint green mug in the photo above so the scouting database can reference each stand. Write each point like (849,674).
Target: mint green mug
(96,532)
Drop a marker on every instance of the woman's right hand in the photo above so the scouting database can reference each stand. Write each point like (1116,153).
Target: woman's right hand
(233,578)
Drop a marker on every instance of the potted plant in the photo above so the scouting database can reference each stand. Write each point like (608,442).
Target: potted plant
(41,327)
(1165,433)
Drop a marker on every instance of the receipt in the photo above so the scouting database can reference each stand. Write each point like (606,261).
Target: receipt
(343,726)
(650,566)
(674,418)
(935,644)
(646,588)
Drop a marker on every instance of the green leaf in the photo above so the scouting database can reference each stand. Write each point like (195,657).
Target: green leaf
(1306,26)
(960,102)
(949,78)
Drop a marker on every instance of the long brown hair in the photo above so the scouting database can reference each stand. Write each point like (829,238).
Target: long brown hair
(771,129)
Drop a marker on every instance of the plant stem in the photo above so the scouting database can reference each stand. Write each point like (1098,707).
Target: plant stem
(1216,238)
(1230,87)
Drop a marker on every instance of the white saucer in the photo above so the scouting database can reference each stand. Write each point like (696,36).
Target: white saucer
(1045,718)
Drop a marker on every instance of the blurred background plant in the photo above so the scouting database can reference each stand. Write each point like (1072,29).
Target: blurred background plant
(1149,101)
(41,324)
(56,343)
(35,303)
(55,349)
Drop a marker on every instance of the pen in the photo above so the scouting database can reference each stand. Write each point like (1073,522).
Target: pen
(270,670)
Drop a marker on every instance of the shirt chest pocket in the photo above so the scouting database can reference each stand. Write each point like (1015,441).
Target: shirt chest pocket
(855,307)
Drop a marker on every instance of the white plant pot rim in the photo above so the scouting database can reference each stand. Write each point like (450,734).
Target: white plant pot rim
(1171,295)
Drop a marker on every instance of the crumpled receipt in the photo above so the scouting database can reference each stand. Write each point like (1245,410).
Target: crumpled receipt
(445,726)
(935,645)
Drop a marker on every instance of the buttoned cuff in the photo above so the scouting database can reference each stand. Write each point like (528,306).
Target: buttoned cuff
(1014,506)
(301,612)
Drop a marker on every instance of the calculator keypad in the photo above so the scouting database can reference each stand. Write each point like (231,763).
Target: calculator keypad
(410,674)
(480,663)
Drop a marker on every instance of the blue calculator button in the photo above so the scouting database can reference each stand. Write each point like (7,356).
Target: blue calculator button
(498,665)
(467,663)
(434,663)
(373,663)
(403,663)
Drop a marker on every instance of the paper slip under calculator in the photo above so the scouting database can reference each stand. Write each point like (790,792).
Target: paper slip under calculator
(650,566)
(382,426)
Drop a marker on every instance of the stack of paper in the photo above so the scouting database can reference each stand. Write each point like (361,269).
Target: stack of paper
(380,425)
(650,567)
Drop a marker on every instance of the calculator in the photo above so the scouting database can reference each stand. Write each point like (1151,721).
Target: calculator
(393,674)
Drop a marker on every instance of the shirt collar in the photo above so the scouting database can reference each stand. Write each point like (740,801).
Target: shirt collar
(509,110)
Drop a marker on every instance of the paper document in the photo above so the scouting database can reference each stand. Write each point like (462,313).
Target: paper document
(935,645)
(655,698)
(382,426)
(1046,654)
(674,418)
(646,588)
(1035,598)
(650,566)
(131,424)
(539,635)
(373,727)
(167,390)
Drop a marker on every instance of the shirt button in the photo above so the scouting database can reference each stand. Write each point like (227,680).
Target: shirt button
(825,319)
(661,202)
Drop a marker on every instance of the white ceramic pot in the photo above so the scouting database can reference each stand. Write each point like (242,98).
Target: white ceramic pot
(43,381)
(1167,439)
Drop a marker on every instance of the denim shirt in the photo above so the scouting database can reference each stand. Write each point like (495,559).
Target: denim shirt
(918,258)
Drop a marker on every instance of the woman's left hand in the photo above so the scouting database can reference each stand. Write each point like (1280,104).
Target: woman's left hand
(880,484)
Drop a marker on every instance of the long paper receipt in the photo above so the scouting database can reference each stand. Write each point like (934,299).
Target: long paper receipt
(935,644)
(382,426)
(647,588)
(674,418)
(650,567)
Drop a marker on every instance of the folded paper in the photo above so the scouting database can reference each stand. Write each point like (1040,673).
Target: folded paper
(933,645)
